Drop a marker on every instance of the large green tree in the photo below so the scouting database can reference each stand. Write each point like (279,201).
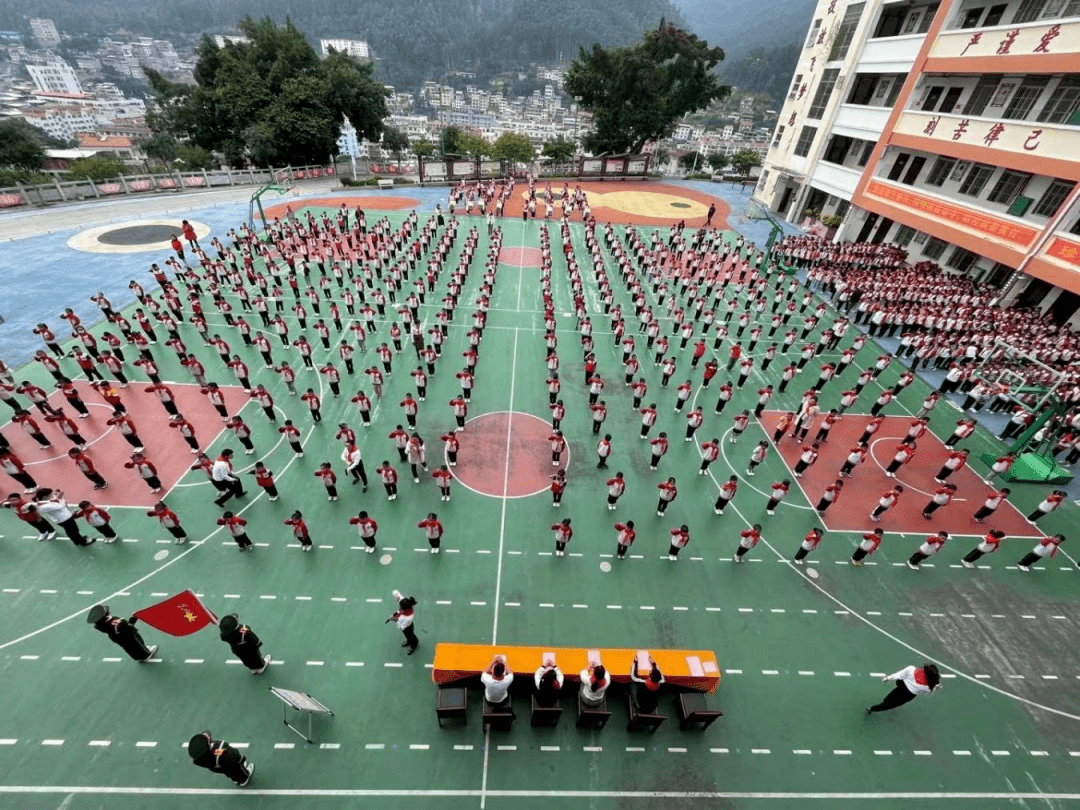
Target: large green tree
(514,147)
(395,141)
(270,101)
(19,149)
(744,160)
(560,150)
(636,94)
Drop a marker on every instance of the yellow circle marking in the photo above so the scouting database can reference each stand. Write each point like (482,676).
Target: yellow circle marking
(654,204)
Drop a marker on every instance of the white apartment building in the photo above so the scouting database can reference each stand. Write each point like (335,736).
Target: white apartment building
(45,32)
(356,48)
(55,77)
(950,128)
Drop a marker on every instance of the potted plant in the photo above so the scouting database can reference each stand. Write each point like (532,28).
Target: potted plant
(809,218)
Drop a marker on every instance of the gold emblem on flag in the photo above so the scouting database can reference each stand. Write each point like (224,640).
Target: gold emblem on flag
(191,617)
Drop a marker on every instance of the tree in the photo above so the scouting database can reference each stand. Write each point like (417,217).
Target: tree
(422,148)
(717,161)
(744,161)
(97,168)
(395,141)
(192,158)
(638,93)
(160,146)
(691,160)
(559,150)
(19,149)
(474,145)
(514,147)
(271,100)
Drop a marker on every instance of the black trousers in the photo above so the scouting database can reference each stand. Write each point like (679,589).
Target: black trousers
(358,474)
(71,529)
(983,513)
(411,641)
(25,479)
(897,697)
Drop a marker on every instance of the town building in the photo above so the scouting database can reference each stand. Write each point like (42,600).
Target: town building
(56,76)
(950,128)
(356,48)
(45,32)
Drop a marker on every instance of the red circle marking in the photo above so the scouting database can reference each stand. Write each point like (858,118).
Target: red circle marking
(483,459)
(520,257)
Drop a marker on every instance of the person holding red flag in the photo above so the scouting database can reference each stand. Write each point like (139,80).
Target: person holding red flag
(179,615)
(121,632)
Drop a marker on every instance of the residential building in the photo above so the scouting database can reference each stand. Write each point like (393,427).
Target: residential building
(357,48)
(221,40)
(45,32)
(950,128)
(55,77)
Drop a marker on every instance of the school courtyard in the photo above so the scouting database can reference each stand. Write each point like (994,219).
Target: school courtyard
(801,650)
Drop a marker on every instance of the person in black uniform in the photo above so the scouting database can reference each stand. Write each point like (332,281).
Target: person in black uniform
(244,643)
(220,757)
(121,632)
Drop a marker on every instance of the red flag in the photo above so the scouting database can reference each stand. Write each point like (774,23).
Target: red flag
(179,615)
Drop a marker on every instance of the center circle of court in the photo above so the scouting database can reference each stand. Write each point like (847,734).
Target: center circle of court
(506,454)
(138,235)
(521,256)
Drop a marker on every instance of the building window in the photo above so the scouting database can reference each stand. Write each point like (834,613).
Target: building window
(981,95)
(1064,101)
(971,18)
(806,137)
(824,91)
(976,179)
(864,158)
(811,38)
(1053,197)
(846,32)
(904,235)
(1029,11)
(1025,96)
(934,248)
(940,171)
(1075,229)
(994,15)
(1008,187)
(779,136)
(795,87)
(961,260)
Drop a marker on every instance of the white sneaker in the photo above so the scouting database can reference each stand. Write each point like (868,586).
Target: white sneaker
(797,562)
(1023,567)
(369,550)
(153,650)
(966,564)
(912,566)
(249,452)
(50,535)
(671,557)
(769,512)
(261,670)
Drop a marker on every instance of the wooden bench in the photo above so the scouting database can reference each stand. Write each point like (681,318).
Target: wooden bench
(639,721)
(386,182)
(498,718)
(594,716)
(453,703)
(544,715)
(694,709)
(683,669)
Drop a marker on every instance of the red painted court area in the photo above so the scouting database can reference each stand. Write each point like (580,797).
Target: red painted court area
(869,482)
(51,466)
(483,460)
(521,257)
(373,202)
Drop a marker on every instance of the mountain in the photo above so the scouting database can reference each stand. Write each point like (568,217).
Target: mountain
(738,28)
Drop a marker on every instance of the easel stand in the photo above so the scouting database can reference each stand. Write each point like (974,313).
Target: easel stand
(300,702)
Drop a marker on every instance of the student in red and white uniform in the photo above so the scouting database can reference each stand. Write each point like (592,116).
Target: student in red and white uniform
(558,413)
(910,683)
(847,399)
(827,423)
(288,376)
(727,492)
(872,427)
(830,496)
(146,470)
(886,502)
(1047,547)
(558,486)
(401,442)
(329,478)
(710,451)
(668,493)
(466,378)
(300,530)
(779,491)
(955,460)
(668,368)
(563,535)
(460,407)
(809,543)
(988,545)
(1050,503)
(616,487)
(433,530)
(264,478)
(1001,465)
(87,468)
(807,457)
(14,467)
(367,528)
(99,518)
(443,477)
(931,546)
(964,428)
(292,436)
(680,538)
(333,378)
(599,414)
(451,446)
(624,538)
(867,546)
(929,404)
(363,405)
(881,402)
(389,478)
(242,432)
(558,445)
(682,394)
(234,525)
(993,500)
(603,451)
(748,538)
(648,419)
(724,396)
(904,454)
(659,447)
(942,496)
(311,399)
(411,408)
(346,435)
(169,521)
(694,419)
(354,463)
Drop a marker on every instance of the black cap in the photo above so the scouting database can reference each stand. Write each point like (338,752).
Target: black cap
(228,623)
(97,613)
(197,746)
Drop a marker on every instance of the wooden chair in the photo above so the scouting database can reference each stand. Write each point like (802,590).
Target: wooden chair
(452,704)
(499,717)
(595,716)
(544,715)
(640,721)
(693,709)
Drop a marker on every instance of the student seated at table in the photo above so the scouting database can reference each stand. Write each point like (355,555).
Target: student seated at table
(496,680)
(647,691)
(594,683)
(549,680)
